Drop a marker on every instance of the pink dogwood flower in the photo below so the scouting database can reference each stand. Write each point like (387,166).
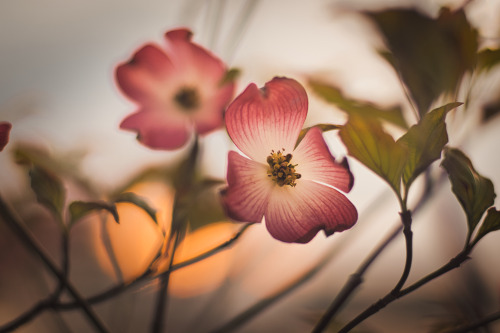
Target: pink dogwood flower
(295,189)
(179,89)
(4,133)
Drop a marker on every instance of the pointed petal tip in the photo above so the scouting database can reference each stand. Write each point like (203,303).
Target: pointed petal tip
(179,34)
(344,163)
(260,120)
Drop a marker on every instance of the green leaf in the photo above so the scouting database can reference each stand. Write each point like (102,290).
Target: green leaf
(487,59)
(322,127)
(366,140)
(134,199)
(79,209)
(66,165)
(230,76)
(333,95)
(431,55)
(205,206)
(491,223)
(49,189)
(425,141)
(474,192)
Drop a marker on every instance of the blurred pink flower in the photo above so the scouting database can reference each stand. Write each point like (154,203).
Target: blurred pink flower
(179,89)
(289,186)
(4,133)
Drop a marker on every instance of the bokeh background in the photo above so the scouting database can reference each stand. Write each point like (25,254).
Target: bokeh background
(57,89)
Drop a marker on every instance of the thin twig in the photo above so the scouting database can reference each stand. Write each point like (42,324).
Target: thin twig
(160,317)
(389,298)
(357,278)
(29,241)
(211,252)
(354,281)
(476,324)
(452,264)
(393,294)
(258,307)
(103,296)
(65,261)
(26,317)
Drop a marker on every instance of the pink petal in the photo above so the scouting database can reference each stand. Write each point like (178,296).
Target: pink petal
(144,78)
(246,197)
(296,214)
(157,129)
(4,133)
(203,71)
(211,117)
(193,60)
(315,162)
(271,118)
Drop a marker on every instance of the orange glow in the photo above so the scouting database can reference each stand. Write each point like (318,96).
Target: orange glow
(208,274)
(136,240)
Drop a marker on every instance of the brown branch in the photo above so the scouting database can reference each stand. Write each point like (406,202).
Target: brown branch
(31,242)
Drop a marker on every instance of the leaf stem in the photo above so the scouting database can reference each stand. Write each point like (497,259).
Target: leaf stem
(476,324)
(393,294)
(357,278)
(354,281)
(27,316)
(159,321)
(262,304)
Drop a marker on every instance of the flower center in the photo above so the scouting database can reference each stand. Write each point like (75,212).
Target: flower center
(187,98)
(281,170)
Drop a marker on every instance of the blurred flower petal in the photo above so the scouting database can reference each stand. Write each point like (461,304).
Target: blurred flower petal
(4,133)
(143,77)
(178,88)
(156,130)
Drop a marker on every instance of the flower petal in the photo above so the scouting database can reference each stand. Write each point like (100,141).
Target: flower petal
(261,120)
(145,76)
(296,214)
(203,71)
(246,197)
(4,133)
(194,61)
(211,117)
(315,162)
(157,129)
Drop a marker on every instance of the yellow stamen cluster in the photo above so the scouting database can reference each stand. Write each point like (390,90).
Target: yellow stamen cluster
(281,170)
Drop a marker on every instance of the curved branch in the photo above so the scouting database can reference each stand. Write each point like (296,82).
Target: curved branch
(389,298)
(30,242)
(258,307)
(119,288)
(26,317)
(476,324)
